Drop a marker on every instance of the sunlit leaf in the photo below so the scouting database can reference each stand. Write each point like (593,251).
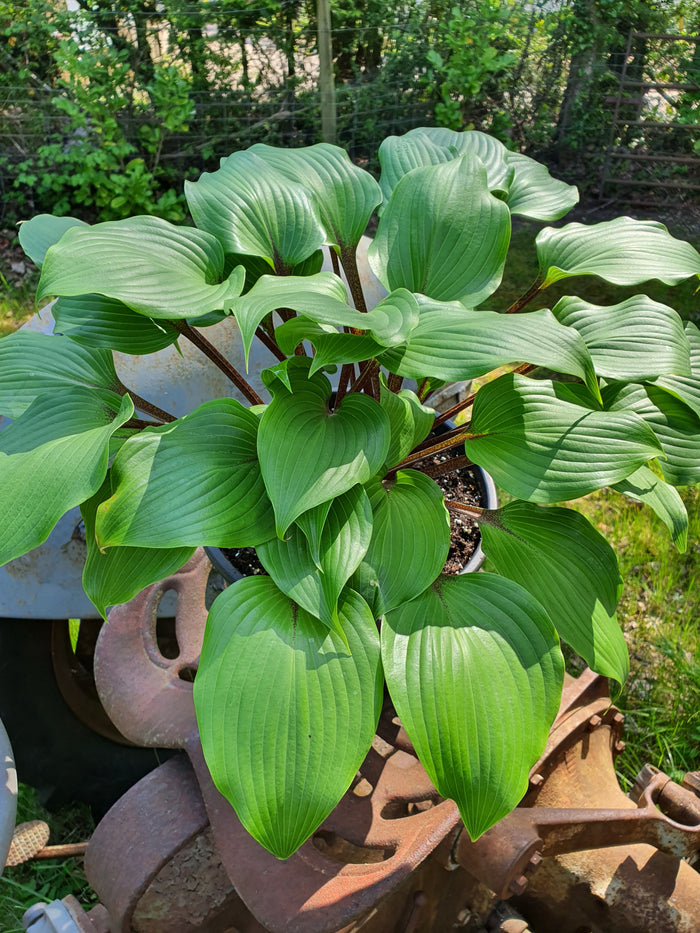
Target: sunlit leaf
(538,446)
(621,251)
(343,195)
(41,232)
(64,436)
(314,578)
(443,234)
(674,423)
(569,567)
(636,339)
(118,574)
(34,364)
(194,482)
(410,540)
(475,672)
(254,209)
(451,343)
(644,486)
(95,321)
(534,193)
(286,712)
(324,454)
(152,266)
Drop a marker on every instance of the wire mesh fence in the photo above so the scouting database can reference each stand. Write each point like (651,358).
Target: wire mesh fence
(106,107)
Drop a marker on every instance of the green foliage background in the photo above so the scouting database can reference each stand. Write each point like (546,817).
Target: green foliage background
(105,110)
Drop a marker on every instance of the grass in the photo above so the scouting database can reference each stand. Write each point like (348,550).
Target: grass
(46,879)
(658,610)
(16,302)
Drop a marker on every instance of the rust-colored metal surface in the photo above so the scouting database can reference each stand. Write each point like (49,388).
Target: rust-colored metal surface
(142,832)
(592,871)
(388,858)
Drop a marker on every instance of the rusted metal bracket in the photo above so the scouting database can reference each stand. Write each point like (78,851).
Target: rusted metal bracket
(505,855)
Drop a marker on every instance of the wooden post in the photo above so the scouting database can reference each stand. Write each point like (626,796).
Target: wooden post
(325,81)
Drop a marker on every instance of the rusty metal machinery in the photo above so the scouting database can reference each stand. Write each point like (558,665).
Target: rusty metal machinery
(577,856)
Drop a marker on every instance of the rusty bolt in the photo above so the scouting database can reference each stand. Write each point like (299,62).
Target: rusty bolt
(535,861)
(536,780)
(518,885)
(618,719)
(594,722)
(620,747)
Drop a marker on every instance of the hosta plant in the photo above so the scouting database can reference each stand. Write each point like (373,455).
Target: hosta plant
(326,469)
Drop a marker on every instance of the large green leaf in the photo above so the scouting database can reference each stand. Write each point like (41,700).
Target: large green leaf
(451,343)
(534,193)
(309,455)
(331,349)
(52,459)
(542,448)
(342,194)
(443,234)
(636,339)
(95,321)
(314,578)
(286,712)
(433,145)
(410,540)
(645,486)
(41,232)
(193,482)
(687,389)
(116,575)
(411,421)
(475,672)
(34,364)
(676,426)
(321,296)
(152,266)
(569,567)
(254,209)
(621,251)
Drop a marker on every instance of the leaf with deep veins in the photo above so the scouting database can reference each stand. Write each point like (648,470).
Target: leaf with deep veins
(152,266)
(253,209)
(636,339)
(474,668)
(315,577)
(621,251)
(33,364)
(286,712)
(343,194)
(443,234)
(120,573)
(451,343)
(537,445)
(324,454)
(645,486)
(410,540)
(65,436)
(569,567)
(193,482)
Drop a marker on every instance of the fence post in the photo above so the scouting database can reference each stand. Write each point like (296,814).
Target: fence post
(325,81)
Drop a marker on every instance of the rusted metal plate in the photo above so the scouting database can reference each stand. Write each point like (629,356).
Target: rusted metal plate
(139,836)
